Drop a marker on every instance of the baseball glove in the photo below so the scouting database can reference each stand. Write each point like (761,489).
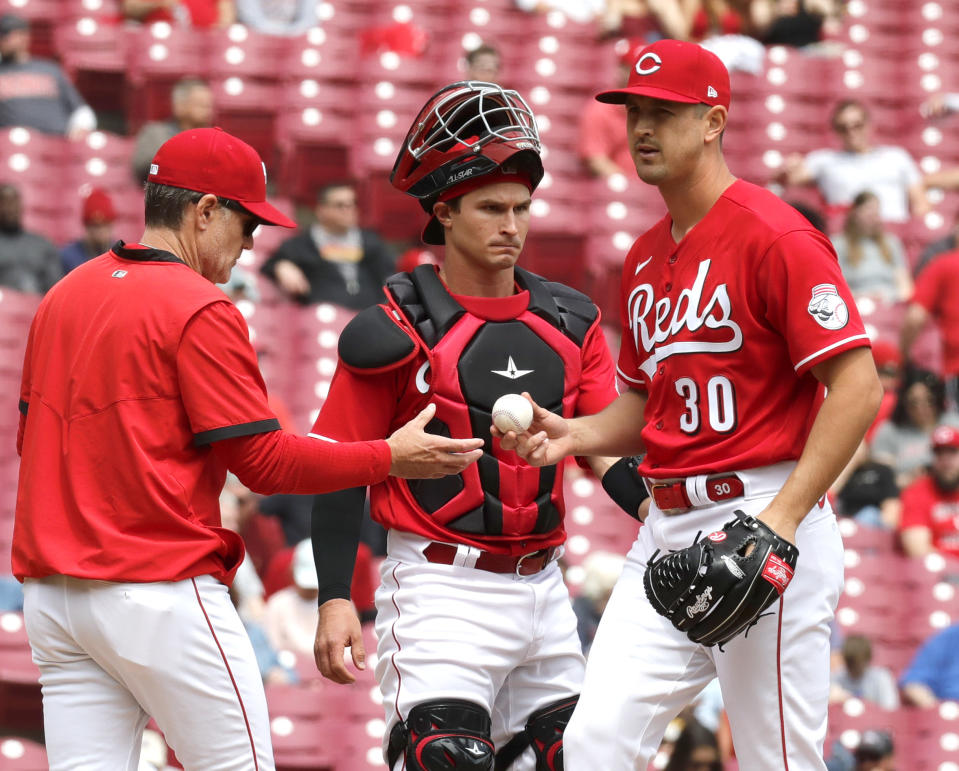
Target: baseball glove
(719,586)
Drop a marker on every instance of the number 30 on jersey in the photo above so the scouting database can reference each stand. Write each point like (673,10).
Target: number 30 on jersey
(717,401)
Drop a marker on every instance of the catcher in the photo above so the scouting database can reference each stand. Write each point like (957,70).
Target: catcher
(735,315)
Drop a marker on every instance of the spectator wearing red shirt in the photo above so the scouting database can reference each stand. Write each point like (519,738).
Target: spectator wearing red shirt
(937,297)
(603,145)
(889,366)
(930,505)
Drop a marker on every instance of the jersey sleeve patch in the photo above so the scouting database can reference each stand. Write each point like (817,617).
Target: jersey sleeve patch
(373,342)
(827,308)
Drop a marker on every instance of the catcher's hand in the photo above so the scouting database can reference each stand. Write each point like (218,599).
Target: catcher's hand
(719,586)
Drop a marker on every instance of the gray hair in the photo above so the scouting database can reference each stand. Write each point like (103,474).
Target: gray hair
(163,205)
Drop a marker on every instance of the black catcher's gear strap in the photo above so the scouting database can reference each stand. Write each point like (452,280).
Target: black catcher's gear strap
(443,735)
(625,486)
(544,733)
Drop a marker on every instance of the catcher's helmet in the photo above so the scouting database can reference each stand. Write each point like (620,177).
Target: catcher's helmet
(465,131)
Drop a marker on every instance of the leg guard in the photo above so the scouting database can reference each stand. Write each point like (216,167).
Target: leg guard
(544,732)
(443,735)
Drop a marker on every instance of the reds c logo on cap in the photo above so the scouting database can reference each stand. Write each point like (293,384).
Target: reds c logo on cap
(642,69)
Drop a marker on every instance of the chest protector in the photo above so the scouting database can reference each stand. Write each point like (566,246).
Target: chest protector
(470,363)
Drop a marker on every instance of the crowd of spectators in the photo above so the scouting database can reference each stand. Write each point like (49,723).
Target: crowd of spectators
(904,478)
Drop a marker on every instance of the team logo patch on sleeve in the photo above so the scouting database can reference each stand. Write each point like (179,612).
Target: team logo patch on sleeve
(827,307)
(777,572)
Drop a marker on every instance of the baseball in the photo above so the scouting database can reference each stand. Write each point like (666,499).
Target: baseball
(512,412)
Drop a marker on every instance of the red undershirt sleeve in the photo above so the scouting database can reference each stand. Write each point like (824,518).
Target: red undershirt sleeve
(280,462)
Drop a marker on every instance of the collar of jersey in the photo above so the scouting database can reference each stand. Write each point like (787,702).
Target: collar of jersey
(141,253)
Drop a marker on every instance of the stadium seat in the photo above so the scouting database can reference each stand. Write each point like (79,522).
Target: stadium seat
(320,54)
(866,539)
(160,55)
(21,707)
(240,51)
(248,108)
(20,754)
(94,55)
(314,147)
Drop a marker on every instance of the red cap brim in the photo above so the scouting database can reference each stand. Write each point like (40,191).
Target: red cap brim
(618,95)
(267,213)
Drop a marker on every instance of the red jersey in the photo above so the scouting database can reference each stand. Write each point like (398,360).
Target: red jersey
(720,332)
(365,406)
(937,290)
(134,365)
(601,133)
(925,505)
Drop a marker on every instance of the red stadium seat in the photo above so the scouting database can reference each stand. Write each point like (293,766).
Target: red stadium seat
(248,109)
(20,754)
(240,51)
(159,56)
(94,55)
(21,706)
(320,54)
(314,148)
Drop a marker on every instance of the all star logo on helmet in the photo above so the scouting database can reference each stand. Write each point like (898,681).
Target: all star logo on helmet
(459,176)
(648,63)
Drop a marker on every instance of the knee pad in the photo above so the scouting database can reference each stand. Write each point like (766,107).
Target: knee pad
(544,733)
(443,735)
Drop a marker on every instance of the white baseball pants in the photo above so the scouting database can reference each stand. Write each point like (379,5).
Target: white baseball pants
(505,642)
(775,679)
(111,655)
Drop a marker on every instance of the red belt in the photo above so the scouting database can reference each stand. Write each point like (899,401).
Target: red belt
(524,565)
(673,495)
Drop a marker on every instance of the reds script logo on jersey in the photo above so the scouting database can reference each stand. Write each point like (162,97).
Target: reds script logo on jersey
(662,330)
(827,307)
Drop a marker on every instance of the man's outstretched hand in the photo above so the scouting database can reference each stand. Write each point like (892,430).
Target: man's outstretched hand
(419,455)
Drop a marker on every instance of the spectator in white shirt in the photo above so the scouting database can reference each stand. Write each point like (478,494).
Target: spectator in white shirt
(886,170)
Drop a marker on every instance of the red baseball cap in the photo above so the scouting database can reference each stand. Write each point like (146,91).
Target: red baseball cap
(945,436)
(209,160)
(886,354)
(98,208)
(677,71)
